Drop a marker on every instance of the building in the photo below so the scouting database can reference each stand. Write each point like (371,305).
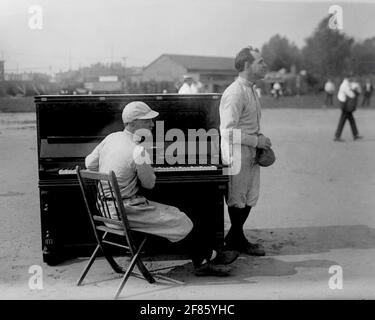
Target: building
(215,73)
(97,78)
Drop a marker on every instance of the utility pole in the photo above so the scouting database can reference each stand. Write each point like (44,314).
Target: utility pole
(2,69)
(124,65)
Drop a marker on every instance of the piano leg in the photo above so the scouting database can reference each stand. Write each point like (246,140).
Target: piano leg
(49,246)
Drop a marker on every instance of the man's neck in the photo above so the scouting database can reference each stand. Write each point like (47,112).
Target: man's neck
(246,77)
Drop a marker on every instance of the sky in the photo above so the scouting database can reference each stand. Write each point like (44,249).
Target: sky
(78,33)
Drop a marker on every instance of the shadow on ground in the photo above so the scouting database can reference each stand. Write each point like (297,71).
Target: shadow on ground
(309,240)
(277,242)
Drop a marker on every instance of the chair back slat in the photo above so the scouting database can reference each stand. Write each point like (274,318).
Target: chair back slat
(117,209)
(102,200)
(121,208)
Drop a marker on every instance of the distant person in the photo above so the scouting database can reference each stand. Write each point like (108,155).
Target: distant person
(276,90)
(347,98)
(298,85)
(189,86)
(367,92)
(329,89)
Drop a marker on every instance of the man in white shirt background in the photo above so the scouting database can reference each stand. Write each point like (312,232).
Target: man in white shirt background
(367,92)
(347,98)
(189,86)
(329,89)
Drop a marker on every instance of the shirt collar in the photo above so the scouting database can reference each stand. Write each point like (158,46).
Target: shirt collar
(132,136)
(245,82)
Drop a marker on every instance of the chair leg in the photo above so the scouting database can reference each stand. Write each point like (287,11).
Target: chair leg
(126,275)
(135,260)
(146,274)
(89,264)
(110,259)
(169,279)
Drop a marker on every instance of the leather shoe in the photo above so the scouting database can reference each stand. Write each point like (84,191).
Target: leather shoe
(214,270)
(225,257)
(358,137)
(253,249)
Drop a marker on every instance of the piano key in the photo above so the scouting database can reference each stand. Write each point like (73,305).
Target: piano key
(66,171)
(185,168)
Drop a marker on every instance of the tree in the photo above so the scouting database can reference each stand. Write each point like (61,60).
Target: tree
(363,57)
(327,52)
(280,53)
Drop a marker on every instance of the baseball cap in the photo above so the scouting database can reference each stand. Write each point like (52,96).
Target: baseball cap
(187,76)
(137,110)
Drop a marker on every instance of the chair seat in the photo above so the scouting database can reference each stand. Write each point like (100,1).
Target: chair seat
(111,230)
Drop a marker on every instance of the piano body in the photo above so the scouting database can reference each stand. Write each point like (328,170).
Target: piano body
(69,128)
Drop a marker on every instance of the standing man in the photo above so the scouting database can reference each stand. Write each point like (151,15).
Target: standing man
(367,92)
(240,109)
(277,90)
(329,88)
(347,98)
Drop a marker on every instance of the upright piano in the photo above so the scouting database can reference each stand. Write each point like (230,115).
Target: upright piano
(69,128)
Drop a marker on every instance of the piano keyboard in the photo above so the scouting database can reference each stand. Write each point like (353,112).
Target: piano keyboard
(185,168)
(67,171)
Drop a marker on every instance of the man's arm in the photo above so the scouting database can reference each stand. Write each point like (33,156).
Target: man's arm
(143,167)
(230,113)
(348,91)
(92,160)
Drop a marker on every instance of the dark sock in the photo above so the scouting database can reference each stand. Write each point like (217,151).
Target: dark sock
(238,217)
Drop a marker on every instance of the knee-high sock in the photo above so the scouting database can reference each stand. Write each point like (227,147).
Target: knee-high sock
(238,217)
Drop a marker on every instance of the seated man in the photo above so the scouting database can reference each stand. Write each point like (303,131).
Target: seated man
(123,153)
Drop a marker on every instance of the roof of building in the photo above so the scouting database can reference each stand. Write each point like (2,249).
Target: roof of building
(192,62)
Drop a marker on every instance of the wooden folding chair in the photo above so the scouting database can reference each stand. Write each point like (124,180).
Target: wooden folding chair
(105,206)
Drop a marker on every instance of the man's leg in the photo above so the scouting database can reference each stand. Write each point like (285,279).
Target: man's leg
(236,239)
(238,217)
(206,260)
(341,124)
(353,125)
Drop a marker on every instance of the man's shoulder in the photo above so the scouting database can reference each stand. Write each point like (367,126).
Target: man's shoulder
(116,137)
(113,135)
(233,88)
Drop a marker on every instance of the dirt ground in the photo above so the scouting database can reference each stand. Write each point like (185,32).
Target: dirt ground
(316,211)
